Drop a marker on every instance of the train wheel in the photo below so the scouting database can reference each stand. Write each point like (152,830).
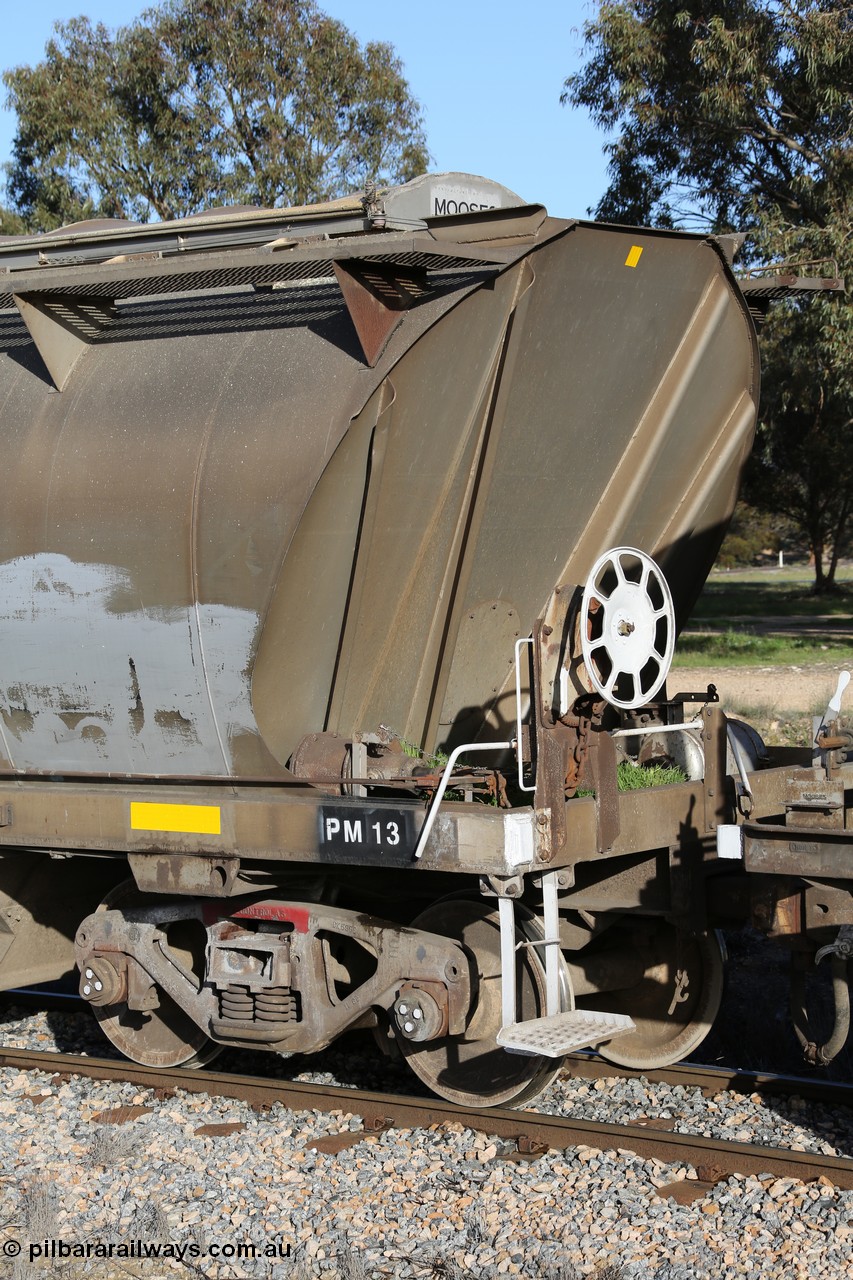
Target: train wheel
(165,1036)
(473,1069)
(675,1002)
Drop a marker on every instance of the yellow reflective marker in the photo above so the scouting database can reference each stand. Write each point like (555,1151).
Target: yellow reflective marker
(198,819)
(634,256)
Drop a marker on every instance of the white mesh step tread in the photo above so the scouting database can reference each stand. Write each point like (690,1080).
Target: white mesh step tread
(564,1032)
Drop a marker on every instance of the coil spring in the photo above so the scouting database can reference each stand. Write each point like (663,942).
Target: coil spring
(237,1003)
(274,1004)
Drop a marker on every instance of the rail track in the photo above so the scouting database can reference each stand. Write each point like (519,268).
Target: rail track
(527,1133)
(712,1080)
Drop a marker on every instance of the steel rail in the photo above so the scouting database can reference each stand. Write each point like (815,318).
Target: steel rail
(582,1065)
(531,1130)
(712,1080)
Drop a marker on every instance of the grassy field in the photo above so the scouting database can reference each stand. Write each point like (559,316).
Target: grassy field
(769,593)
(743,648)
(768,617)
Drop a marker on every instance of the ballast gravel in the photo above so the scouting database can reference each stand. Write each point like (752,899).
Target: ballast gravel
(109,1180)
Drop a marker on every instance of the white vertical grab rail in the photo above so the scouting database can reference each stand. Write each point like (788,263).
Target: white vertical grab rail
(551,923)
(551,943)
(518,739)
(432,813)
(506,917)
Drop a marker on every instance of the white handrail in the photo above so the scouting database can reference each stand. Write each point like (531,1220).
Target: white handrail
(506,917)
(518,751)
(432,812)
(656,728)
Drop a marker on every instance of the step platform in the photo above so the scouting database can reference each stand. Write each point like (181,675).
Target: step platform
(564,1032)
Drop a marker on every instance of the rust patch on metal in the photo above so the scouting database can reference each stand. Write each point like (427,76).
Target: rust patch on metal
(531,1146)
(376,1124)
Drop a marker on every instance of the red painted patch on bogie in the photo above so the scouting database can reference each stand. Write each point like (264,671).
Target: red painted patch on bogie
(297,916)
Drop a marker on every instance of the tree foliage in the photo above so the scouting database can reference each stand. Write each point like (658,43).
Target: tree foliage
(730,109)
(802,464)
(755,537)
(204,102)
(10,223)
(738,114)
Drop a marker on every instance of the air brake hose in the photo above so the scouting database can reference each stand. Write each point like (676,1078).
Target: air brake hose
(819,1055)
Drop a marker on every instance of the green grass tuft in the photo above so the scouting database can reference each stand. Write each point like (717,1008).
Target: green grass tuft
(436,761)
(639,777)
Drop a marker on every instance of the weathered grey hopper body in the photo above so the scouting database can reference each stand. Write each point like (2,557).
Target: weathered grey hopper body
(281,473)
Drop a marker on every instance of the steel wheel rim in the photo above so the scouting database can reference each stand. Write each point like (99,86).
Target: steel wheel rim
(165,1037)
(479,1072)
(661,1038)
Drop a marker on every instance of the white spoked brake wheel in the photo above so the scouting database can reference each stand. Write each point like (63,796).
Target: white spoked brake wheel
(627,627)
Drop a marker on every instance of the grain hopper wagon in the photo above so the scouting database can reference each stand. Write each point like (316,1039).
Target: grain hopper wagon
(343,551)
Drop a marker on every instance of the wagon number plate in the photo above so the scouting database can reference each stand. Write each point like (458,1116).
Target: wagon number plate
(349,832)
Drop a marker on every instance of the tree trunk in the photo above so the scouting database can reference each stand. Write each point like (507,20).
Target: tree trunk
(837,540)
(816,541)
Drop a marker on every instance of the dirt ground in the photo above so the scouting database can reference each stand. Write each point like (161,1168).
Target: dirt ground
(782,690)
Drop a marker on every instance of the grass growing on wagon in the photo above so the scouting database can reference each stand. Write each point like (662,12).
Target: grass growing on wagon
(437,761)
(629,776)
(639,777)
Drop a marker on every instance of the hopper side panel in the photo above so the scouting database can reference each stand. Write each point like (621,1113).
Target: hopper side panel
(406,573)
(147,509)
(632,404)
(299,646)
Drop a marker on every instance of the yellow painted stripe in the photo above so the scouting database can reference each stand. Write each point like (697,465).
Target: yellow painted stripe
(634,256)
(200,819)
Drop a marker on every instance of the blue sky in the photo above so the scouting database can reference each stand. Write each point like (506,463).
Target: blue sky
(488,75)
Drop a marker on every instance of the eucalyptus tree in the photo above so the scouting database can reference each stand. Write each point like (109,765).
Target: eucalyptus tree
(203,102)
